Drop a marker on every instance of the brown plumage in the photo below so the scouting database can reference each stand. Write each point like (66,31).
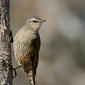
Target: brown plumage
(26,47)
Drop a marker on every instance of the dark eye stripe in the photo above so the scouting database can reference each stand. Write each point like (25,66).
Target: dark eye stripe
(35,21)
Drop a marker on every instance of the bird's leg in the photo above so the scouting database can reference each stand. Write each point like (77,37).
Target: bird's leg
(15,73)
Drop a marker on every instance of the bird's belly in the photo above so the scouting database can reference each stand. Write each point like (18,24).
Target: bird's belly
(25,63)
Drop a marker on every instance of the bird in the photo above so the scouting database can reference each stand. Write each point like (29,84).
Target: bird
(26,46)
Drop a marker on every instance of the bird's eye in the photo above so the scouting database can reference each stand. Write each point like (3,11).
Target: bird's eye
(35,21)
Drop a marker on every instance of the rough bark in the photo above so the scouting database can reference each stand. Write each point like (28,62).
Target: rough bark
(6,70)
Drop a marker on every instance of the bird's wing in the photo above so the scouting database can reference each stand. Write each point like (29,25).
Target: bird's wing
(36,46)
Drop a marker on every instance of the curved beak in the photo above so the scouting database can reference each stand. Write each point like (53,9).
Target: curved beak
(42,21)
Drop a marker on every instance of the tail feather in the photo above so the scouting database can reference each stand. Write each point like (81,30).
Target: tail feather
(31,77)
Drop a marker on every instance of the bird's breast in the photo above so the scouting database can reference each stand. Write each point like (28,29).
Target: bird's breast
(22,46)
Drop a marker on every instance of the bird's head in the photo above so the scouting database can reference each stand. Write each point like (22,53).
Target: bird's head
(34,23)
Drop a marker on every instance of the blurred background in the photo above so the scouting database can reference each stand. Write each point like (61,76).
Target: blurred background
(62,53)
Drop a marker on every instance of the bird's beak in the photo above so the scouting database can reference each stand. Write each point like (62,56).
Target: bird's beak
(42,21)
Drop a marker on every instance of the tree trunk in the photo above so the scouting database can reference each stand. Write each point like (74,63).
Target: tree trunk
(6,70)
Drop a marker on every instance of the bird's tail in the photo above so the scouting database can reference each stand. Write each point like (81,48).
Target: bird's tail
(31,77)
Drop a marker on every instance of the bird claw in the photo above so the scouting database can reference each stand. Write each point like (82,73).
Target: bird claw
(14,70)
(14,73)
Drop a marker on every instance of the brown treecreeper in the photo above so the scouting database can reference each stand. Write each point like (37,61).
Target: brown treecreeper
(26,47)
